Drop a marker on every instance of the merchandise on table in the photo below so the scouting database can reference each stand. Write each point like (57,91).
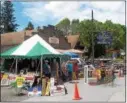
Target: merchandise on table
(5,80)
(35,91)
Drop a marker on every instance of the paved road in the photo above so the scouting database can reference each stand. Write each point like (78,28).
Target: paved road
(8,95)
(88,93)
(102,93)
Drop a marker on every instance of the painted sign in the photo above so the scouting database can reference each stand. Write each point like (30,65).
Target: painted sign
(104,38)
(35,91)
(53,40)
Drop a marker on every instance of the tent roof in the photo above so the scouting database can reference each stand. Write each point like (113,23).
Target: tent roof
(34,47)
(73,55)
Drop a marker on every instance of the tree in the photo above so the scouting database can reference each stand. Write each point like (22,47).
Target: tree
(74,26)
(38,28)
(64,25)
(86,28)
(118,33)
(7,17)
(30,26)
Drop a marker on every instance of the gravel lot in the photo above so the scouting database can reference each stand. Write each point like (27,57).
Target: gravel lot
(9,95)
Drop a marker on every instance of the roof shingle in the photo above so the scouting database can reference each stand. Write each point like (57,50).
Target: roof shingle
(14,38)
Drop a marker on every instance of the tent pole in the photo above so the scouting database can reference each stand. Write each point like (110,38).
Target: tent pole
(41,66)
(16,66)
(11,66)
(60,64)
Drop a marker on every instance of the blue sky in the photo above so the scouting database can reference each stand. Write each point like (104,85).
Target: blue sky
(44,13)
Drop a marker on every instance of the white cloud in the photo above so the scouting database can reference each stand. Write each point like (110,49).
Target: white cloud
(114,11)
(67,9)
(35,11)
(108,5)
(41,11)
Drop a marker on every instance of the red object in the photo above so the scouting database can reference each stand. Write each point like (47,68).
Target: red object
(75,67)
(120,75)
(92,83)
(1,76)
(76,93)
(102,64)
(11,77)
(29,78)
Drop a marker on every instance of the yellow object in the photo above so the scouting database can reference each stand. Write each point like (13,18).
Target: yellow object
(73,76)
(81,75)
(43,87)
(98,73)
(47,89)
(19,81)
(5,76)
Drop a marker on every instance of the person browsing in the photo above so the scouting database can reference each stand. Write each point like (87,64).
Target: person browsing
(70,69)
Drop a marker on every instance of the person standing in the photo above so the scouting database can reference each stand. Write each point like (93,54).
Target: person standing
(70,70)
(19,83)
(113,75)
(98,75)
(64,71)
(102,75)
(46,69)
(75,66)
(55,69)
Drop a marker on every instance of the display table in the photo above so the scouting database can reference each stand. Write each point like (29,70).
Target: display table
(28,78)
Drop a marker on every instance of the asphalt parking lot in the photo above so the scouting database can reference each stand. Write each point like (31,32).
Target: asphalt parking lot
(9,95)
(100,93)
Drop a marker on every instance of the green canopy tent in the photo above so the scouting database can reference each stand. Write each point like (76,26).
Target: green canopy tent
(33,48)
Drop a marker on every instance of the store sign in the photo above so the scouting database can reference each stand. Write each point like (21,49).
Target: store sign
(53,40)
(104,38)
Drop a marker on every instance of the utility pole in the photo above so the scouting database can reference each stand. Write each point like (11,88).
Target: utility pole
(92,39)
(1,21)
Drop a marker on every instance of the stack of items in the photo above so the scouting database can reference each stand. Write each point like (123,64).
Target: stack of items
(53,90)
(5,80)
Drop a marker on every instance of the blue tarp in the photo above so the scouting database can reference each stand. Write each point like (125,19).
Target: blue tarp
(73,55)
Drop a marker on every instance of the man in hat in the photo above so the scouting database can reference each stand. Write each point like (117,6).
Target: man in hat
(46,69)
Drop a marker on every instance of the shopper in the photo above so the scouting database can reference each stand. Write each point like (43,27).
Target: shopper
(64,71)
(46,69)
(19,83)
(70,70)
(75,66)
(102,75)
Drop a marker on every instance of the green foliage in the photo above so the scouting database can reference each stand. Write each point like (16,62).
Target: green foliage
(86,28)
(7,17)
(64,25)
(13,84)
(30,26)
(74,26)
